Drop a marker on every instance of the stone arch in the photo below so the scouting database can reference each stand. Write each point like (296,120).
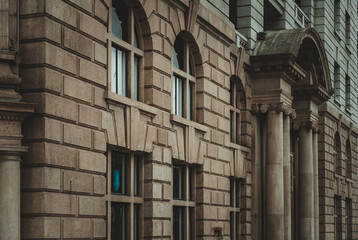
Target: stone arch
(305,47)
(198,61)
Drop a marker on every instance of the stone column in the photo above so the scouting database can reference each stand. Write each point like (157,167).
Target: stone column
(287,176)
(305,185)
(10,192)
(316,186)
(274,193)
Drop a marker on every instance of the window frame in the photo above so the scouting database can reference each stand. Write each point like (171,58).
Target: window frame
(132,52)
(187,202)
(235,208)
(133,202)
(188,101)
(235,113)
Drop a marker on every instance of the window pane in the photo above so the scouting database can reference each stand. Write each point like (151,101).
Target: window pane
(118,173)
(191,224)
(136,78)
(121,72)
(237,227)
(190,101)
(232,192)
(178,180)
(178,225)
(178,54)
(191,183)
(114,70)
(136,175)
(237,190)
(120,20)
(118,221)
(135,43)
(179,99)
(232,226)
(136,223)
(231,134)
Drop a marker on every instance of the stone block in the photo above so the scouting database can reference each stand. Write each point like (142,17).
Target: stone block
(43,128)
(157,209)
(158,172)
(91,206)
(77,228)
(59,107)
(100,53)
(162,136)
(91,161)
(153,190)
(167,192)
(109,125)
(84,4)
(93,72)
(59,58)
(99,185)
(41,178)
(99,98)
(92,27)
(41,227)
(101,11)
(48,203)
(76,135)
(74,181)
(41,78)
(40,28)
(77,89)
(89,116)
(77,42)
(99,228)
(99,141)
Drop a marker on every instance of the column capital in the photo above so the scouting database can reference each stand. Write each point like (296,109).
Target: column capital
(262,108)
(309,125)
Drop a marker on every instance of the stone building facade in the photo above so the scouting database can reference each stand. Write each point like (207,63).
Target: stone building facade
(182,119)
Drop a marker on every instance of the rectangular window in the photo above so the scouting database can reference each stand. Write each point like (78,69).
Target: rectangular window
(178,223)
(337,15)
(136,222)
(119,71)
(348,30)
(348,92)
(178,96)
(235,209)
(178,182)
(191,224)
(119,173)
(118,221)
(337,78)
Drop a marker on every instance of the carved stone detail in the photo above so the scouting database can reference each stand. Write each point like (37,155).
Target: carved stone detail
(264,108)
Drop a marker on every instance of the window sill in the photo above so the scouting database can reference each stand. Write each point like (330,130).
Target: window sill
(186,122)
(117,99)
(337,34)
(349,49)
(348,111)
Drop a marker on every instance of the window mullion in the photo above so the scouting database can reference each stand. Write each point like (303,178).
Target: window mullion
(130,227)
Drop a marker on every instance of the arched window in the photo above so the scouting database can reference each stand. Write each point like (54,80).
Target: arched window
(237,98)
(349,159)
(183,80)
(337,152)
(126,53)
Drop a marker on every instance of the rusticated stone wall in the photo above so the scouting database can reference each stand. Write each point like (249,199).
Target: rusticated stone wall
(78,120)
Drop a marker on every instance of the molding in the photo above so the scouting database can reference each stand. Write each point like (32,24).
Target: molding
(280,107)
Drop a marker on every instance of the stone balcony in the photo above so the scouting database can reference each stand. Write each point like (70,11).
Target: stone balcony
(300,17)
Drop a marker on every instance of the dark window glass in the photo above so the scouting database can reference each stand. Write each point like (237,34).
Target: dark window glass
(191,184)
(237,191)
(178,223)
(232,192)
(178,182)
(136,78)
(237,227)
(178,54)
(118,221)
(120,20)
(232,226)
(136,175)
(191,223)
(136,223)
(190,103)
(231,134)
(135,43)
(119,173)
(233,11)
